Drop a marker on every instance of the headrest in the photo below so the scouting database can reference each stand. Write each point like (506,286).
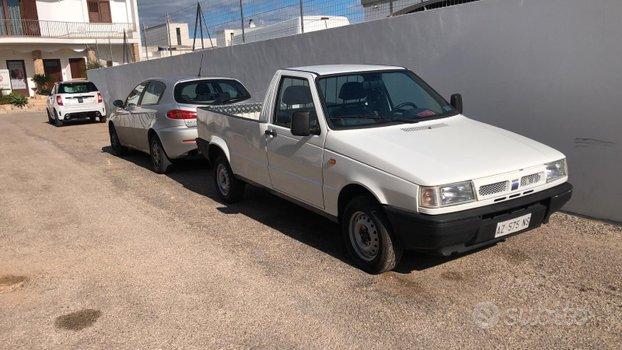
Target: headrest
(297,95)
(352,90)
(202,89)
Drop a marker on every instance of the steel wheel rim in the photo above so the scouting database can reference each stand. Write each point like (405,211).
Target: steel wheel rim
(222,179)
(364,236)
(155,153)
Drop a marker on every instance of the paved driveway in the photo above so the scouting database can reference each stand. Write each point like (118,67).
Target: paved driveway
(97,251)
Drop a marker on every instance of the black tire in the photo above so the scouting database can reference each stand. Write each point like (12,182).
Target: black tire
(115,143)
(58,122)
(102,119)
(50,119)
(159,160)
(92,119)
(228,187)
(367,236)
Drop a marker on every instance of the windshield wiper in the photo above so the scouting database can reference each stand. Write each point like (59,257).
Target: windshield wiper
(406,120)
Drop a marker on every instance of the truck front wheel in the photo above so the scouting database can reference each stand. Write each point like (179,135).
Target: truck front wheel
(229,188)
(367,236)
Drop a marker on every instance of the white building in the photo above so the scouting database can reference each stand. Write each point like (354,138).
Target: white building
(229,37)
(59,37)
(170,39)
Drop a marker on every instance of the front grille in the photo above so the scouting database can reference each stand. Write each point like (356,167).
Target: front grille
(497,187)
(530,179)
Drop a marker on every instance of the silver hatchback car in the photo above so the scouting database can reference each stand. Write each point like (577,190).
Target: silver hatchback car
(159,116)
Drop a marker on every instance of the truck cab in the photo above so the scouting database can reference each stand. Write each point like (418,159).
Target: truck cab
(378,151)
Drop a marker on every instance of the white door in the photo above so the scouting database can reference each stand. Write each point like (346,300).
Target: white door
(295,162)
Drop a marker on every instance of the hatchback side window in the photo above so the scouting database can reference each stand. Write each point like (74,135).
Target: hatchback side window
(134,96)
(294,96)
(153,93)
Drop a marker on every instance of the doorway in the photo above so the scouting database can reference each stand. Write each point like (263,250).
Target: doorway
(78,68)
(53,70)
(17,75)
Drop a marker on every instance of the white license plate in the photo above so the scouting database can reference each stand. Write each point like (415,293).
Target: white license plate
(191,123)
(514,225)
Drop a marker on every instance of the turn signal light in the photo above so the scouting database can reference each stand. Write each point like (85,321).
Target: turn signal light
(59,100)
(181,114)
(100,98)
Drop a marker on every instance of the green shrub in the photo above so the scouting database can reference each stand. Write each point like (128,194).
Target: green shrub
(17,100)
(40,81)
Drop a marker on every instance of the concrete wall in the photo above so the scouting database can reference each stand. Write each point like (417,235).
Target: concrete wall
(549,70)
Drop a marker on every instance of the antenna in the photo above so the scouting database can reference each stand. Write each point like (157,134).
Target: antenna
(201,66)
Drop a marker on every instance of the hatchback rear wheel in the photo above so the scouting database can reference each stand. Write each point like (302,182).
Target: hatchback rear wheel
(159,159)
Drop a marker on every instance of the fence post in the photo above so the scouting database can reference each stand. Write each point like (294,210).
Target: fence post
(302,18)
(242,22)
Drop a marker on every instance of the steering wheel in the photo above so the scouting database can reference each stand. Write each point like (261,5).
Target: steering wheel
(400,107)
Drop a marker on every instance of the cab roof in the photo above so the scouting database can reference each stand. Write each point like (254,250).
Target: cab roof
(328,69)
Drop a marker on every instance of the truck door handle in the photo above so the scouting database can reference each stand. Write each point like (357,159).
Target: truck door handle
(270,133)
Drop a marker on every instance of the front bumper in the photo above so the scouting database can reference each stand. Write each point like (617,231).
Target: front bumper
(466,230)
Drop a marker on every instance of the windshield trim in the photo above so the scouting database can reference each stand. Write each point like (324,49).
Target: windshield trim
(417,79)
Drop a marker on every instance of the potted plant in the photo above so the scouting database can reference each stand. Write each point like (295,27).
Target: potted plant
(40,81)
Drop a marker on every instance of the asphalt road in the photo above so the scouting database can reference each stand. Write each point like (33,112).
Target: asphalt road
(97,251)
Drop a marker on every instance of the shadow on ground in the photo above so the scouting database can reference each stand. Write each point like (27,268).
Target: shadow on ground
(258,204)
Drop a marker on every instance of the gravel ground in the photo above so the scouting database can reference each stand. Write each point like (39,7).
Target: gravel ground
(99,252)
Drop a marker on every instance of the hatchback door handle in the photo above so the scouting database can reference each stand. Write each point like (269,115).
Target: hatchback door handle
(270,133)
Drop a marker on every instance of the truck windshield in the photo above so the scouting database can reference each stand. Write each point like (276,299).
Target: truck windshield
(76,88)
(379,98)
(210,92)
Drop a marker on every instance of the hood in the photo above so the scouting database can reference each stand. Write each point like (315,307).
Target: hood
(441,151)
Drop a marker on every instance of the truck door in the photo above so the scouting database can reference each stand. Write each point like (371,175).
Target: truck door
(295,162)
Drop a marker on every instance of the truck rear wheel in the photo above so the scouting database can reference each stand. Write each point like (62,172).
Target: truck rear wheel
(367,236)
(229,188)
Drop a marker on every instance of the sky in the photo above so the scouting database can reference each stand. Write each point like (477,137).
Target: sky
(220,13)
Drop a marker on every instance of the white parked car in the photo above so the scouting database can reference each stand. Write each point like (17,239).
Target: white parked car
(379,151)
(75,100)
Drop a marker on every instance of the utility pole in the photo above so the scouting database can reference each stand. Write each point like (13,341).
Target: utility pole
(145,41)
(242,22)
(168,35)
(302,18)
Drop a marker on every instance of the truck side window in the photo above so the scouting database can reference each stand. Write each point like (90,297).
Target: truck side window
(294,95)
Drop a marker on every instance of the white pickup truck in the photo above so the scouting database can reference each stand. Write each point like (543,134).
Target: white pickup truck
(377,150)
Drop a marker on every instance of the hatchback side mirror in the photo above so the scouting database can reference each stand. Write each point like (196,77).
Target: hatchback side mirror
(301,125)
(118,103)
(456,102)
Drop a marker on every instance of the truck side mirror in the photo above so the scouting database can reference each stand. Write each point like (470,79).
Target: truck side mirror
(301,125)
(117,103)
(456,102)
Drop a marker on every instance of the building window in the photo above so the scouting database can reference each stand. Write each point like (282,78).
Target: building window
(99,11)
(178,31)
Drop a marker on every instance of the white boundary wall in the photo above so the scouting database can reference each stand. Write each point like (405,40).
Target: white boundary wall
(550,70)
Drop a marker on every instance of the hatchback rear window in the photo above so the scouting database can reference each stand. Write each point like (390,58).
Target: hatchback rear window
(210,92)
(76,88)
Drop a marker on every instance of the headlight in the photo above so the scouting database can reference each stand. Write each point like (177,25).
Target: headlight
(446,195)
(556,170)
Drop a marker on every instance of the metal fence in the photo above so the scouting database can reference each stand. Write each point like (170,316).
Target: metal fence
(218,23)
(64,30)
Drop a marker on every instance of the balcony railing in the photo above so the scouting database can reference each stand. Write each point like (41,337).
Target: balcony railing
(64,30)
